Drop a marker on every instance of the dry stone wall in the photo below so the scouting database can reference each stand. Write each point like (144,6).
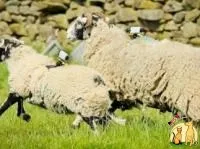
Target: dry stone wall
(35,20)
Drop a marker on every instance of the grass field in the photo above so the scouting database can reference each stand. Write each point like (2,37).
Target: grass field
(48,130)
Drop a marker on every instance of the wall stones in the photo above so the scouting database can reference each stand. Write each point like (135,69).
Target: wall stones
(35,20)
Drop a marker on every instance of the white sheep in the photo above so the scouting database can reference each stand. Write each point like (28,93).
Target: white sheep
(163,75)
(74,88)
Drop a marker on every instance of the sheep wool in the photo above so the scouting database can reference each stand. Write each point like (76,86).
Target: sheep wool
(165,74)
(74,88)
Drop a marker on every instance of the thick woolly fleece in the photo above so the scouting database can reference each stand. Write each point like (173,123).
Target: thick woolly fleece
(66,88)
(161,75)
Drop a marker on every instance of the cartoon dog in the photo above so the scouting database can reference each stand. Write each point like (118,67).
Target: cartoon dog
(178,137)
(189,133)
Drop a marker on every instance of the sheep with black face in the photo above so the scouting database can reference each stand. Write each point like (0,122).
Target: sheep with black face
(74,88)
(163,75)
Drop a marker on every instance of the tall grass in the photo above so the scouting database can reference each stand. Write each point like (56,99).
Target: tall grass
(48,130)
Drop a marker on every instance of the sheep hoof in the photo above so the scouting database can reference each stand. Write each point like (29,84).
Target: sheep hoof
(75,126)
(96,132)
(25,117)
(121,121)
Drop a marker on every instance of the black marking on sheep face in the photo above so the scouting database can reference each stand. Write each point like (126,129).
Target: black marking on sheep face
(81,29)
(123,105)
(77,29)
(4,53)
(6,44)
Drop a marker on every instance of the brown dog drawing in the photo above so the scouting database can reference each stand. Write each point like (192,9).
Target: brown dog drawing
(178,137)
(189,134)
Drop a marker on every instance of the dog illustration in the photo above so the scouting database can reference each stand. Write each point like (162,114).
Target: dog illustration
(178,137)
(189,134)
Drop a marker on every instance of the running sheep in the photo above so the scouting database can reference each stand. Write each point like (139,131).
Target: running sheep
(73,88)
(163,75)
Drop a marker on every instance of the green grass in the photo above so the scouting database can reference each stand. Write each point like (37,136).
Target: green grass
(48,130)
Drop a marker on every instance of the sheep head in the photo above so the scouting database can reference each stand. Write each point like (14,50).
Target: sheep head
(81,27)
(6,44)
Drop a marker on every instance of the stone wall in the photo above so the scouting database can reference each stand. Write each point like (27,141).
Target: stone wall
(35,20)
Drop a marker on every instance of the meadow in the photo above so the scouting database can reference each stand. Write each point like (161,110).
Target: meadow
(49,130)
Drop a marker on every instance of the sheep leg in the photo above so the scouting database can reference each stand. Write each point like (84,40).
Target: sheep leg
(117,120)
(12,99)
(21,112)
(77,121)
(91,122)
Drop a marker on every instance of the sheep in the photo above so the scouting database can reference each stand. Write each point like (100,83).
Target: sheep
(163,75)
(73,88)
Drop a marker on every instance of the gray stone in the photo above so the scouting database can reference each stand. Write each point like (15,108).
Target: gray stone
(146,4)
(4,29)
(52,7)
(65,2)
(74,5)
(38,5)
(111,7)
(30,19)
(190,29)
(160,28)
(61,36)
(172,6)
(152,35)
(181,39)
(26,40)
(167,16)
(95,9)
(151,14)
(32,30)
(126,15)
(2,5)
(25,10)
(72,14)
(171,26)
(60,20)
(18,18)
(26,2)
(13,9)
(195,41)
(18,29)
(119,1)
(33,10)
(192,3)
(129,2)
(13,2)
(192,15)
(159,0)
(45,31)
(198,21)
(179,17)
(101,1)
(163,35)
(51,23)
(5,16)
